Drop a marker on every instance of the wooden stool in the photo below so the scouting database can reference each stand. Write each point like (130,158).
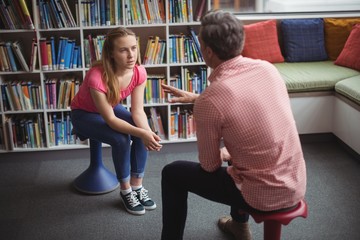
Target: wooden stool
(273,221)
(96,179)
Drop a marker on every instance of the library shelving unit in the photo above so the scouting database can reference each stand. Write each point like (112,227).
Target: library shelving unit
(34,103)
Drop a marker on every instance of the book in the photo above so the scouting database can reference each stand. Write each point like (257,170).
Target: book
(6,15)
(26,13)
(200,9)
(11,57)
(44,55)
(5,64)
(61,62)
(68,53)
(49,54)
(18,52)
(34,55)
(26,95)
(196,43)
(9,135)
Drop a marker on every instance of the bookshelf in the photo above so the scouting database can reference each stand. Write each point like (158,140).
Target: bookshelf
(34,103)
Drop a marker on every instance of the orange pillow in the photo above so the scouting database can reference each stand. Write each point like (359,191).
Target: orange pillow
(337,31)
(350,55)
(261,42)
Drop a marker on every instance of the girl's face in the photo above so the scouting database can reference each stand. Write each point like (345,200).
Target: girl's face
(125,52)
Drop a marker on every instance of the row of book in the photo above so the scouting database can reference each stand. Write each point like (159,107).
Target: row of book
(93,48)
(101,12)
(181,11)
(60,129)
(187,80)
(144,11)
(21,95)
(67,55)
(155,51)
(56,14)
(156,123)
(153,90)
(64,55)
(184,49)
(26,95)
(15,14)
(28,131)
(12,58)
(60,92)
(182,123)
(24,132)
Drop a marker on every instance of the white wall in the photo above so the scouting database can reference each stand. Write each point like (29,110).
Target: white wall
(310,5)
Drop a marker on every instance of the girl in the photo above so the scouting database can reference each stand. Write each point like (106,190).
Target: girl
(97,114)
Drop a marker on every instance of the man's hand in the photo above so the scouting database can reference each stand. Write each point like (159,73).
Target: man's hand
(225,155)
(179,96)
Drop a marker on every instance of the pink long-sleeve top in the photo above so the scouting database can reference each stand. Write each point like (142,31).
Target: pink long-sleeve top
(247,105)
(93,80)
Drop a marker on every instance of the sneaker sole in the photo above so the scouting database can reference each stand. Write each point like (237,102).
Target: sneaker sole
(150,207)
(133,212)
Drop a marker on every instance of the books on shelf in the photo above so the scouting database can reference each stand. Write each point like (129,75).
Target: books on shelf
(55,14)
(155,51)
(63,57)
(60,92)
(15,15)
(101,12)
(21,95)
(153,90)
(156,124)
(182,123)
(12,58)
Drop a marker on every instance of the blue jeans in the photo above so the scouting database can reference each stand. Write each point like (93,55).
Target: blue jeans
(129,158)
(181,177)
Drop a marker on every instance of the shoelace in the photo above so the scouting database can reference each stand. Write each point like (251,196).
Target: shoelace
(132,199)
(143,195)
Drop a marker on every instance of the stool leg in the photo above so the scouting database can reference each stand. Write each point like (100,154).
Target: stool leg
(272,230)
(96,179)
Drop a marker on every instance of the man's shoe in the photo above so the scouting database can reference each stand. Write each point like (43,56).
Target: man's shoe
(241,231)
(132,204)
(144,199)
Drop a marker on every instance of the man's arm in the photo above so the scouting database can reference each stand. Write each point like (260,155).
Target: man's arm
(180,96)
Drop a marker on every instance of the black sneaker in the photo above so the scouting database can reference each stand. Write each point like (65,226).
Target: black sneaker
(132,204)
(145,200)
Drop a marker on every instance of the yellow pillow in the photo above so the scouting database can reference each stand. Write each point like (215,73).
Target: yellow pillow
(337,30)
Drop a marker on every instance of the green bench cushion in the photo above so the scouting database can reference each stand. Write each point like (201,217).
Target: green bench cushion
(313,76)
(350,88)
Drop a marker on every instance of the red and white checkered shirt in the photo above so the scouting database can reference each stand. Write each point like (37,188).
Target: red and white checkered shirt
(247,105)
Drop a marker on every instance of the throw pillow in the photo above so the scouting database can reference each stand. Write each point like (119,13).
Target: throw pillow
(350,55)
(261,42)
(337,30)
(303,40)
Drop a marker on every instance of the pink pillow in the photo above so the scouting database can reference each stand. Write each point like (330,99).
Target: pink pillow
(261,42)
(350,55)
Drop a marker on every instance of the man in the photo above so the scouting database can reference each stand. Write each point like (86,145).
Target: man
(246,106)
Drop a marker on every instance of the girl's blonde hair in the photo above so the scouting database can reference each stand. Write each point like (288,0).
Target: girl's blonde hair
(107,62)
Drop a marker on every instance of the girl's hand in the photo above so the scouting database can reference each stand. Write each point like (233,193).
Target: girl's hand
(151,141)
(180,96)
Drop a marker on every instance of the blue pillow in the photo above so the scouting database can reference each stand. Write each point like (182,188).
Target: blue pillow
(304,40)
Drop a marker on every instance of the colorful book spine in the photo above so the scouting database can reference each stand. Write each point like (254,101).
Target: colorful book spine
(44,55)
(11,57)
(26,13)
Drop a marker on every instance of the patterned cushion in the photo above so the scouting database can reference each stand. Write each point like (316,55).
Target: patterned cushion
(303,40)
(337,30)
(261,42)
(350,55)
